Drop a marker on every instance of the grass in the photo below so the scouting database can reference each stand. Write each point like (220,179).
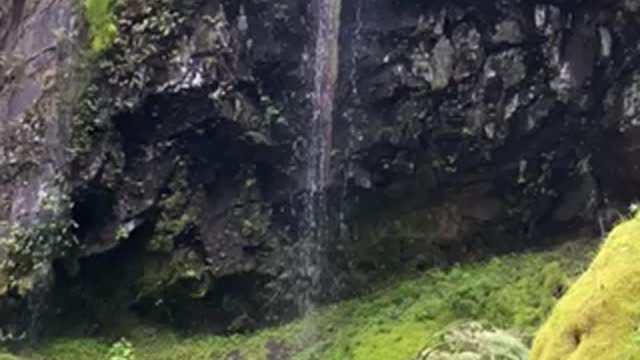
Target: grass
(8,357)
(394,323)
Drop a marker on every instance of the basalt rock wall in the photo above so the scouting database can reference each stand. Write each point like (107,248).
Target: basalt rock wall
(161,177)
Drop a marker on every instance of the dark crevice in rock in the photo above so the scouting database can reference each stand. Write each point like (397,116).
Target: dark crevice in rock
(92,211)
(118,290)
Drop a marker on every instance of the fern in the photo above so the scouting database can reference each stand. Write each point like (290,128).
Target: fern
(476,341)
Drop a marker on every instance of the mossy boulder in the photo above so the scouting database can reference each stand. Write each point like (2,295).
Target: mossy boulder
(598,317)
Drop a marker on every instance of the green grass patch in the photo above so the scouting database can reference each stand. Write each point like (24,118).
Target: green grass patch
(8,357)
(394,323)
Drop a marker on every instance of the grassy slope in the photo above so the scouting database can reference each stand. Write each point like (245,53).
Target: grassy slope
(394,323)
(599,317)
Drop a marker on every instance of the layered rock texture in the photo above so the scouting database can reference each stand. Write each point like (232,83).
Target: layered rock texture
(153,163)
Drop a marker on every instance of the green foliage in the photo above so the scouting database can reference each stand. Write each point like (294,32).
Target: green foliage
(394,323)
(183,271)
(102,29)
(4,356)
(121,350)
(476,341)
(27,249)
(507,293)
(71,349)
(8,357)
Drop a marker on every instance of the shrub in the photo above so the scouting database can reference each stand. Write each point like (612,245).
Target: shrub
(102,29)
(121,350)
(476,340)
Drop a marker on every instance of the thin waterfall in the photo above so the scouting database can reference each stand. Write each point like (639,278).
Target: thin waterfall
(325,75)
(315,235)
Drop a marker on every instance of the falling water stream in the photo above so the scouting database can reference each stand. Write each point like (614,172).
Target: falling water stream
(313,257)
(325,75)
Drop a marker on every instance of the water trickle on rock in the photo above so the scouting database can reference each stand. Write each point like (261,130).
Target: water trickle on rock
(312,252)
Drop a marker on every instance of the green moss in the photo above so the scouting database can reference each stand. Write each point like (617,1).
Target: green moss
(150,345)
(175,217)
(102,29)
(4,355)
(67,349)
(396,322)
(167,229)
(631,349)
(183,272)
(8,357)
(27,249)
(599,314)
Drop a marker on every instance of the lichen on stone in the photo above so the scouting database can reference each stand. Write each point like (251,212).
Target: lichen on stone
(28,249)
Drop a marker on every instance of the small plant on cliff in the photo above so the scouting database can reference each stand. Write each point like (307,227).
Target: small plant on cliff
(102,29)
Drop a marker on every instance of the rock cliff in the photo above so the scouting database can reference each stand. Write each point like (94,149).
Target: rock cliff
(152,151)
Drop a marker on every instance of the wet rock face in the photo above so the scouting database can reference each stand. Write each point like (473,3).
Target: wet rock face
(33,206)
(460,128)
(188,159)
(502,102)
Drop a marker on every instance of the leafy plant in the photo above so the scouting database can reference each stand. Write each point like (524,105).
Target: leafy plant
(478,341)
(102,29)
(121,350)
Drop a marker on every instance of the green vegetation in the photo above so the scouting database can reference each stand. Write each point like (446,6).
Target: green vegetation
(631,348)
(27,249)
(102,29)
(476,341)
(8,357)
(600,315)
(397,322)
(121,350)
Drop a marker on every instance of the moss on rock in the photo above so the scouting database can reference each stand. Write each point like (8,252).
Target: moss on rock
(8,357)
(184,271)
(597,318)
